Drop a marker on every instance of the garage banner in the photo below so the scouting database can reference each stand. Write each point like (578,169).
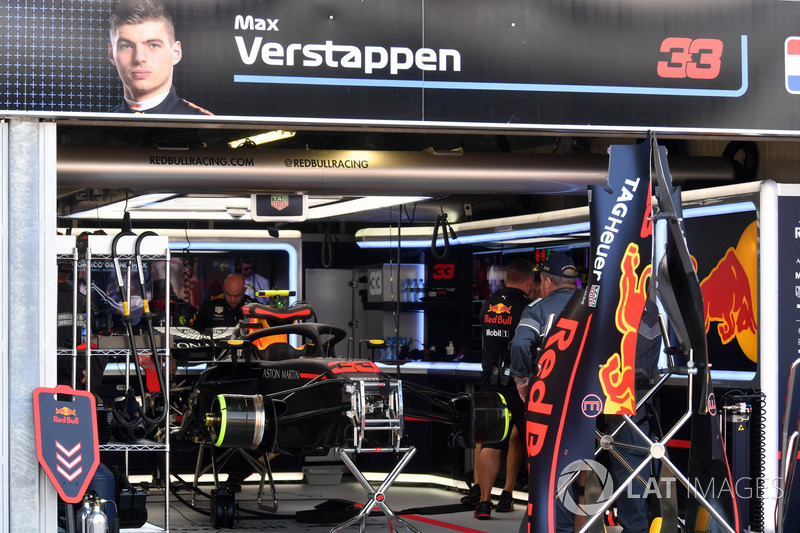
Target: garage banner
(588,359)
(65,421)
(619,64)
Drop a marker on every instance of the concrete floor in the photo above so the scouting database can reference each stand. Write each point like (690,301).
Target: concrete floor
(412,502)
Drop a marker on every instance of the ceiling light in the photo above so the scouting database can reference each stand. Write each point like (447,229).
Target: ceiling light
(198,207)
(262,138)
(357,205)
(522,229)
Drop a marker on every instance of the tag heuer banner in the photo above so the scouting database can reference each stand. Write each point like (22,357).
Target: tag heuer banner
(66,438)
(685,65)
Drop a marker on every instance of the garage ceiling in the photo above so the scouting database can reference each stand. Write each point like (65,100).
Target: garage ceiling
(88,206)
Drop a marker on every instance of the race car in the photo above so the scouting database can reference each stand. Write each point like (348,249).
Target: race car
(274,398)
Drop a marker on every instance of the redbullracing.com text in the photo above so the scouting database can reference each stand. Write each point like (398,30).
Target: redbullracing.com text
(204,161)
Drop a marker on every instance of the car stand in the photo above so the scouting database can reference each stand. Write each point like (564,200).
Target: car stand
(377,497)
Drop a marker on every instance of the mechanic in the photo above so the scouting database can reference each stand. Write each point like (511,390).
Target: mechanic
(500,315)
(223,310)
(142,46)
(559,281)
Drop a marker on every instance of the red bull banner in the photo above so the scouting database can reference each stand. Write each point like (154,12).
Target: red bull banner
(726,257)
(65,422)
(596,330)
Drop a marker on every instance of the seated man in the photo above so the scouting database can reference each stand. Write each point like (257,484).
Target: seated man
(223,310)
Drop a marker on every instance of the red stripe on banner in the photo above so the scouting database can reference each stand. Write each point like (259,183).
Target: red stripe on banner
(445,525)
(553,473)
(677,443)
(793,47)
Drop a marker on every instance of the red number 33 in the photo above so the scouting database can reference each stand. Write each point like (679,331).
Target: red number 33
(443,271)
(699,59)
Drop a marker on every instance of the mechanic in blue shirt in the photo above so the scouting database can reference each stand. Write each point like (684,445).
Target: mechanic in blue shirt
(559,281)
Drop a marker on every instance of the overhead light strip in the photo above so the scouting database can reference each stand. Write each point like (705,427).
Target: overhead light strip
(172,207)
(537,233)
(262,138)
(368,203)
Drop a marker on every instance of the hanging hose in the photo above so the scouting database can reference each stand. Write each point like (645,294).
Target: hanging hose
(120,418)
(158,384)
(441,221)
(327,248)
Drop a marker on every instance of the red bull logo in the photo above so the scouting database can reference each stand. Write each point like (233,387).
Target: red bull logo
(730,295)
(499,309)
(617,374)
(64,415)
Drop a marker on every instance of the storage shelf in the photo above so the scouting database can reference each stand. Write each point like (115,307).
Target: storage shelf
(141,446)
(111,352)
(120,348)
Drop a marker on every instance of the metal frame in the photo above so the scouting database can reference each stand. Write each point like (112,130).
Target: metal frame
(656,451)
(99,249)
(377,497)
(4,370)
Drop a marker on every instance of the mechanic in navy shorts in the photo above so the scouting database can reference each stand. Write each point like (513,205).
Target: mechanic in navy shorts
(500,315)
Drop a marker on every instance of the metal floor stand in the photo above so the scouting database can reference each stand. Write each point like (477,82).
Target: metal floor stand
(377,497)
(656,450)
(217,463)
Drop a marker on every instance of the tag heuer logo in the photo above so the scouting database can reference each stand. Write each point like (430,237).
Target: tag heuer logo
(279,202)
(594,292)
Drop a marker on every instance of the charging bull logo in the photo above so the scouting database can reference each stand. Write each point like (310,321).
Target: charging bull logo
(617,374)
(499,309)
(66,411)
(730,294)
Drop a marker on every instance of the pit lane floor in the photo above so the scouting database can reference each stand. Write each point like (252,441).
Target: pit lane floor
(419,505)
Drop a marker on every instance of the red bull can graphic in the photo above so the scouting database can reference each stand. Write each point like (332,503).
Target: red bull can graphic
(617,374)
(730,295)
